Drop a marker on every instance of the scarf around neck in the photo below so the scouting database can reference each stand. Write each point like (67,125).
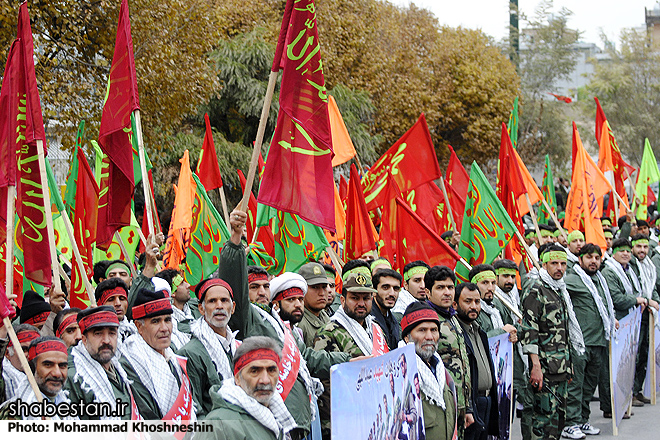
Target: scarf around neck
(209,339)
(433,385)
(362,337)
(648,273)
(514,299)
(14,378)
(606,314)
(493,314)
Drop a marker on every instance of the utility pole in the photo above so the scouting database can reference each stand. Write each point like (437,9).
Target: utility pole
(514,33)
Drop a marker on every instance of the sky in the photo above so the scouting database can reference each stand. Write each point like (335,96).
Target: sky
(492,16)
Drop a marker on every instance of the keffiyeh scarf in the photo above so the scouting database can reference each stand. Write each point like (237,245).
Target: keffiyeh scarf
(203,331)
(362,337)
(433,385)
(182,315)
(648,274)
(93,377)
(493,314)
(574,330)
(14,378)
(275,416)
(126,329)
(606,313)
(26,395)
(627,285)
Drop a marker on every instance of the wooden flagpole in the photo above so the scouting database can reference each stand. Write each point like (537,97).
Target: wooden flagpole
(449,210)
(9,246)
(272,80)
(122,246)
(334,257)
(21,357)
(145,177)
(49,217)
(652,354)
(533,215)
(223,200)
(562,231)
(76,256)
(528,250)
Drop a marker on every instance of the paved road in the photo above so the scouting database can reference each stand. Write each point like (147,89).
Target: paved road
(644,425)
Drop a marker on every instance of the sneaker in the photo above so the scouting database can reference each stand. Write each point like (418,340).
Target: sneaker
(589,430)
(636,402)
(641,397)
(573,432)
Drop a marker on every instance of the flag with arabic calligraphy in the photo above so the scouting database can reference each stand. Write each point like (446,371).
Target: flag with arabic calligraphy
(361,236)
(411,161)
(298,175)
(487,228)
(648,173)
(512,126)
(428,202)
(548,190)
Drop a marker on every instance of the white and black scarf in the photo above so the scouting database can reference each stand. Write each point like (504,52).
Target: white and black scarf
(182,315)
(513,297)
(276,417)
(93,377)
(433,385)
(26,395)
(649,275)
(179,339)
(209,339)
(606,313)
(627,285)
(13,377)
(126,329)
(493,314)
(574,330)
(362,337)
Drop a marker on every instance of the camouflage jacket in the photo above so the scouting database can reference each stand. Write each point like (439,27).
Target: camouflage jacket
(333,337)
(545,331)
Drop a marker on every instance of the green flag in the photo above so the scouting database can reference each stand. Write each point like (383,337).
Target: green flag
(208,233)
(512,126)
(487,228)
(648,173)
(548,190)
(62,242)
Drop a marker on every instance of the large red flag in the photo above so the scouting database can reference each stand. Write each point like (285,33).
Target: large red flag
(361,235)
(411,161)
(298,176)
(84,229)
(428,202)
(115,137)
(208,170)
(456,185)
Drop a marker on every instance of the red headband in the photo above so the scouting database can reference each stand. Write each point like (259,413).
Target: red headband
(37,319)
(66,322)
(111,292)
(413,318)
(104,317)
(46,346)
(27,336)
(252,277)
(159,305)
(260,354)
(206,285)
(288,293)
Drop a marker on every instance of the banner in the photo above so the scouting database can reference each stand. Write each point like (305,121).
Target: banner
(623,356)
(653,364)
(371,398)
(501,351)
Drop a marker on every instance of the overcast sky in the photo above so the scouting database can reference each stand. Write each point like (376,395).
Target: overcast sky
(492,16)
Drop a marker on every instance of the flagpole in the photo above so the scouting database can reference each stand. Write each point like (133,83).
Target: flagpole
(223,200)
(122,246)
(63,274)
(506,303)
(528,250)
(562,231)
(49,217)
(272,80)
(143,168)
(533,215)
(9,244)
(449,210)
(334,257)
(76,256)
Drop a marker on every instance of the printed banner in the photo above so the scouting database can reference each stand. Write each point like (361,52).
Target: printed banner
(501,351)
(653,364)
(623,354)
(377,398)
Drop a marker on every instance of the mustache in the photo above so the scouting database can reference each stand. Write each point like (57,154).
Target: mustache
(55,379)
(220,313)
(264,387)
(106,346)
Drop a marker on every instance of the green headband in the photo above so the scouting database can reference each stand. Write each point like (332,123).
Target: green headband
(546,233)
(484,276)
(116,265)
(606,221)
(557,233)
(380,261)
(554,255)
(414,271)
(575,235)
(621,248)
(530,234)
(176,282)
(608,234)
(356,270)
(640,241)
(330,275)
(505,271)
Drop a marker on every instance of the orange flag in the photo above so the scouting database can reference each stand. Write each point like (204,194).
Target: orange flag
(361,235)
(533,190)
(341,141)
(587,187)
(340,217)
(178,236)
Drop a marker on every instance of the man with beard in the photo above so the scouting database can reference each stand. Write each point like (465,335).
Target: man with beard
(593,308)
(213,344)
(12,370)
(47,357)
(387,283)
(490,319)
(249,406)
(575,243)
(467,302)
(647,274)
(451,346)
(114,292)
(65,326)
(183,307)
(434,385)
(506,271)
(94,371)
(550,333)
(318,289)
(414,288)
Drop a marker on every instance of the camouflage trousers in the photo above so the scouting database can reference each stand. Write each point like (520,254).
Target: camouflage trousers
(550,411)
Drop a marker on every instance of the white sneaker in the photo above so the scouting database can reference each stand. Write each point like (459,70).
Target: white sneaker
(589,430)
(573,432)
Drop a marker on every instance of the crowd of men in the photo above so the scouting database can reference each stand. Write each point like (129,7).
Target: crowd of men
(252,353)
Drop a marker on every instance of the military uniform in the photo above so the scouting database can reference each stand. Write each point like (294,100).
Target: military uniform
(545,333)
(311,324)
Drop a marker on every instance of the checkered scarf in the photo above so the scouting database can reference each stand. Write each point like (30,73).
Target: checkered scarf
(179,339)
(275,416)
(493,314)
(574,330)
(627,285)
(93,377)
(209,339)
(648,273)
(13,377)
(26,395)
(433,385)
(153,370)
(362,337)
(182,315)
(514,299)
(126,329)
(606,314)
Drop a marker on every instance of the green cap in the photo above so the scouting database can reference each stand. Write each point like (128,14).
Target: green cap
(313,273)
(359,283)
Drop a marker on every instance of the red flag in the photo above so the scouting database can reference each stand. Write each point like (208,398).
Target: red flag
(388,231)
(298,177)
(565,99)
(456,185)
(208,170)
(343,187)
(84,229)
(361,235)
(265,235)
(428,202)
(411,160)
(115,137)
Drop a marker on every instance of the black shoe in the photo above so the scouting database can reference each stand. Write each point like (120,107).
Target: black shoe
(637,403)
(641,398)
(607,415)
